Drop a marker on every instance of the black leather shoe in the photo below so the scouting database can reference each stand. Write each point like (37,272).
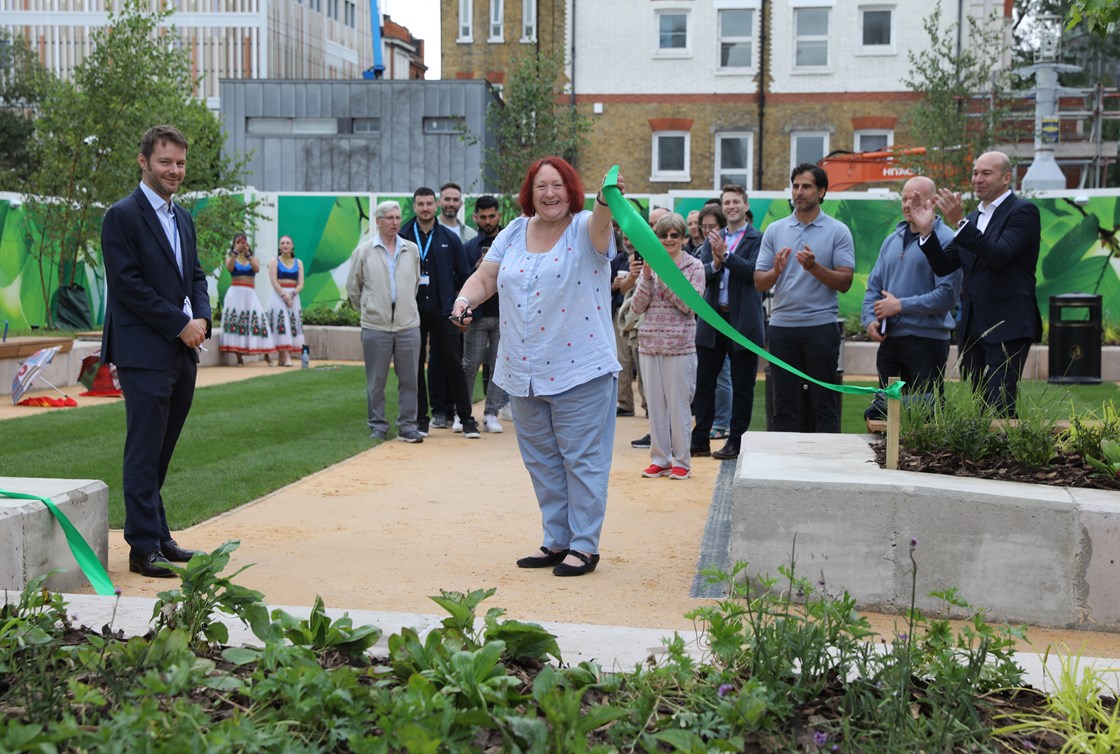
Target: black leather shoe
(623,412)
(150,564)
(589,563)
(727,452)
(697,451)
(544,560)
(176,554)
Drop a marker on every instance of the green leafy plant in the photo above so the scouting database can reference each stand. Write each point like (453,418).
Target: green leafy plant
(342,316)
(319,633)
(1110,452)
(203,591)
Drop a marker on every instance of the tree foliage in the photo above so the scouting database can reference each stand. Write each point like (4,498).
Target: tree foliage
(964,105)
(23,83)
(87,137)
(1098,15)
(533,122)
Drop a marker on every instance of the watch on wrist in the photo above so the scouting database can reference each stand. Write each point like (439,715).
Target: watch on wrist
(962,223)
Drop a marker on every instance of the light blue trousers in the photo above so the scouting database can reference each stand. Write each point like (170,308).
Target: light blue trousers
(567,441)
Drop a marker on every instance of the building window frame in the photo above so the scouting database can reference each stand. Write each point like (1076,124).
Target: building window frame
(815,40)
(528,21)
(466,22)
(658,174)
(672,52)
(877,49)
(858,135)
(496,27)
(793,138)
(748,169)
(721,40)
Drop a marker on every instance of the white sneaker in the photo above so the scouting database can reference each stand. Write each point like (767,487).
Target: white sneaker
(491,424)
(505,413)
(457,426)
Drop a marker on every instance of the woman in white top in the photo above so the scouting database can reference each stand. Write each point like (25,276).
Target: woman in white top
(556,355)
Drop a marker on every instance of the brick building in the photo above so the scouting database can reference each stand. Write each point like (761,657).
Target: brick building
(691,94)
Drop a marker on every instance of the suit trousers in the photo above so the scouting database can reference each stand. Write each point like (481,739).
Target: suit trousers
(744,372)
(670,384)
(156,404)
(567,442)
(445,367)
(917,360)
(995,369)
(403,349)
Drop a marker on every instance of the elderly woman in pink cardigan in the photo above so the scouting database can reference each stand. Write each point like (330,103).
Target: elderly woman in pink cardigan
(667,353)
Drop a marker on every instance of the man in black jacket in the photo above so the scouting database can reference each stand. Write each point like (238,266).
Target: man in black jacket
(729,257)
(443,270)
(997,247)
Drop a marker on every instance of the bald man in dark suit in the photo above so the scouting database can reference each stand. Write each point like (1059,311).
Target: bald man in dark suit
(997,248)
(157,316)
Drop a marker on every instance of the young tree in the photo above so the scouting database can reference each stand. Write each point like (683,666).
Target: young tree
(23,84)
(532,123)
(1098,15)
(87,138)
(964,108)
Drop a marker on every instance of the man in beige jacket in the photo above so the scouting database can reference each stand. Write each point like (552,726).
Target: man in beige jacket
(382,284)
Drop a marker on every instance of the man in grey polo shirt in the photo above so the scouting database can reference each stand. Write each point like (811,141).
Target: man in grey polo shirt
(806,259)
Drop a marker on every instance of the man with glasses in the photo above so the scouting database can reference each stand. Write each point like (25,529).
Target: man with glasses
(729,257)
(806,258)
(382,284)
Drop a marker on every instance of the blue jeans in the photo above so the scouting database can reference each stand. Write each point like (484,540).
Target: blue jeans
(480,346)
(567,446)
(723,396)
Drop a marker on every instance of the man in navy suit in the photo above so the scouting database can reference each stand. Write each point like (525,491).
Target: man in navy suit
(157,315)
(997,248)
(729,256)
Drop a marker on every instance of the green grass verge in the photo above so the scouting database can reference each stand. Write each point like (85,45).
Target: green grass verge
(242,440)
(245,439)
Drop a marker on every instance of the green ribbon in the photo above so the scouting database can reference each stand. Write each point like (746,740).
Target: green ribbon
(87,561)
(641,235)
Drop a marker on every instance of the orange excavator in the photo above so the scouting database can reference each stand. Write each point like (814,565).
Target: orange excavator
(849,170)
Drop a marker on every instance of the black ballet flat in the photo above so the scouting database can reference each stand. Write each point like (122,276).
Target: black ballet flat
(549,558)
(589,563)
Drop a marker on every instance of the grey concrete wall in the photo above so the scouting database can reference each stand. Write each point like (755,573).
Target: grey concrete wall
(32,542)
(1026,553)
(397,159)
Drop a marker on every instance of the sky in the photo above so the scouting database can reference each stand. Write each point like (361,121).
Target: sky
(422,19)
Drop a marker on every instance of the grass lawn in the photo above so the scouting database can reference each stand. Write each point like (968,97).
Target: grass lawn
(241,441)
(246,439)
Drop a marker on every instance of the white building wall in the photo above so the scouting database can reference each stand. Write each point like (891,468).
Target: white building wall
(616,48)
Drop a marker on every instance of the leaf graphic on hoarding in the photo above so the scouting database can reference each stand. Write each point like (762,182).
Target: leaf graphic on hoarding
(348,219)
(1065,251)
(870,222)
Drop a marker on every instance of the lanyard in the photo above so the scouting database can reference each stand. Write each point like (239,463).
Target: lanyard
(733,240)
(416,235)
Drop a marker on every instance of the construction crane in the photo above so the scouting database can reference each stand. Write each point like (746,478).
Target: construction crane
(848,170)
(378,68)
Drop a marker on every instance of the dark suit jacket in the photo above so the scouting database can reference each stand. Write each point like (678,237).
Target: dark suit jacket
(144,311)
(447,262)
(743,298)
(999,271)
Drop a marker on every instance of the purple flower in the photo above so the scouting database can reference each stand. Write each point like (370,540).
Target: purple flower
(820,738)
(117,591)
(903,637)
(725,689)
(913,544)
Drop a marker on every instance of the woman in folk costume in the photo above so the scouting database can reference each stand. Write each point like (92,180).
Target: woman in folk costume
(244,322)
(285,316)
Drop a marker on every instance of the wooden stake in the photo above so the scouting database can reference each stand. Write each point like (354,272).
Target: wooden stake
(894,416)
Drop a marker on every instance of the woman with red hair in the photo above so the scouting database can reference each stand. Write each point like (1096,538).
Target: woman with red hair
(556,355)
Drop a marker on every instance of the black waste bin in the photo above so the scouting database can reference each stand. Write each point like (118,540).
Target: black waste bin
(1075,339)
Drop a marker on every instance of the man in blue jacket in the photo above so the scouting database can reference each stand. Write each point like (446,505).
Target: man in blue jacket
(443,270)
(907,307)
